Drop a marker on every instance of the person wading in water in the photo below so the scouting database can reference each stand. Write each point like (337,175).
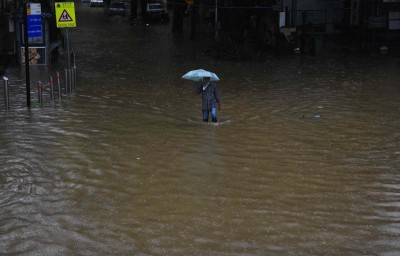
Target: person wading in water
(210,99)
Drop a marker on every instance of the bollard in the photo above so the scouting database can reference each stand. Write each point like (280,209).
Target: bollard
(6,93)
(66,82)
(71,77)
(74,69)
(59,86)
(51,88)
(40,92)
(71,86)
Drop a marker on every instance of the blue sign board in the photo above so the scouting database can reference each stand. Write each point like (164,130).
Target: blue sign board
(34,26)
(34,18)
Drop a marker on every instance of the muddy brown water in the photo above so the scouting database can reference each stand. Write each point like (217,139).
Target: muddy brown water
(126,167)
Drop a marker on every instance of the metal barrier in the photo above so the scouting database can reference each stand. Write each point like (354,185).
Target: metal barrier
(51,88)
(6,93)
(59,85)
(70,80)
(40,92)
(69,87)
(67,90)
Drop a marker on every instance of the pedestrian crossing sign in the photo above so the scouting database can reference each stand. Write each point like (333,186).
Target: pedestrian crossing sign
(65,14)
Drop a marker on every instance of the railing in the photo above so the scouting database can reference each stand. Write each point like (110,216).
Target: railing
(54,88)
(302,17)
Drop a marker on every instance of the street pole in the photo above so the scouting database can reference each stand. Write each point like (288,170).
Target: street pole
(26,41)
(216,20)
(68,50)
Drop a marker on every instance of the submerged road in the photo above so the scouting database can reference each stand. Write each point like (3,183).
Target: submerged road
(126,167)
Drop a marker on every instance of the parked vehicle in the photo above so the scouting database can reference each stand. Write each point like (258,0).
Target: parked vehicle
(96,3)
(156,11)
(117,8)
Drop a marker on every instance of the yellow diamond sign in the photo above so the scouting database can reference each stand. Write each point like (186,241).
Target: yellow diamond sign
(65,15)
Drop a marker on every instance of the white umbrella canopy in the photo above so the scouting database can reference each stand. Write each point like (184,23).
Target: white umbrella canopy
(198,74)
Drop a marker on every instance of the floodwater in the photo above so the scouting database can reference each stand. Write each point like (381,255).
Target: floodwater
(304,161)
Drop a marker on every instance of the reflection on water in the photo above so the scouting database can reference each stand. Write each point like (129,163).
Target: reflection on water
(125,166)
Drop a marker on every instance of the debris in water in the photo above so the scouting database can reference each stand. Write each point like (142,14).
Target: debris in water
(314,117)
(254,117)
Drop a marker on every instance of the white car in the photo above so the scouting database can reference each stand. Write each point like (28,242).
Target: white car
(96,3)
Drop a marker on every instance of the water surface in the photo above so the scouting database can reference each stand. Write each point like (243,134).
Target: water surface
(126,167)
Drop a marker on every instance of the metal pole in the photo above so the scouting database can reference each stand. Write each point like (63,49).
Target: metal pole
(73,61)
(71,79)
(74,77)
(6,93)
(216,20)
(59,85)
(71,88)
(66,82)
(52,88)
(40,92)
(26,41)
(68,50)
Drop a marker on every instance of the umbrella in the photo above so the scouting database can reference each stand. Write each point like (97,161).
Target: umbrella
(198,74)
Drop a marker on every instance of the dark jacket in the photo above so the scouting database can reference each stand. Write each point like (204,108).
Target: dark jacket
(210,97)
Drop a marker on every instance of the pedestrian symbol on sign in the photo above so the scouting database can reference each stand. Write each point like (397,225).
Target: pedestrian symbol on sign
(65,17)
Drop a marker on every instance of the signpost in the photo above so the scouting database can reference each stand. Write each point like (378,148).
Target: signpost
(27,11)
(65,18)
(34,36)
